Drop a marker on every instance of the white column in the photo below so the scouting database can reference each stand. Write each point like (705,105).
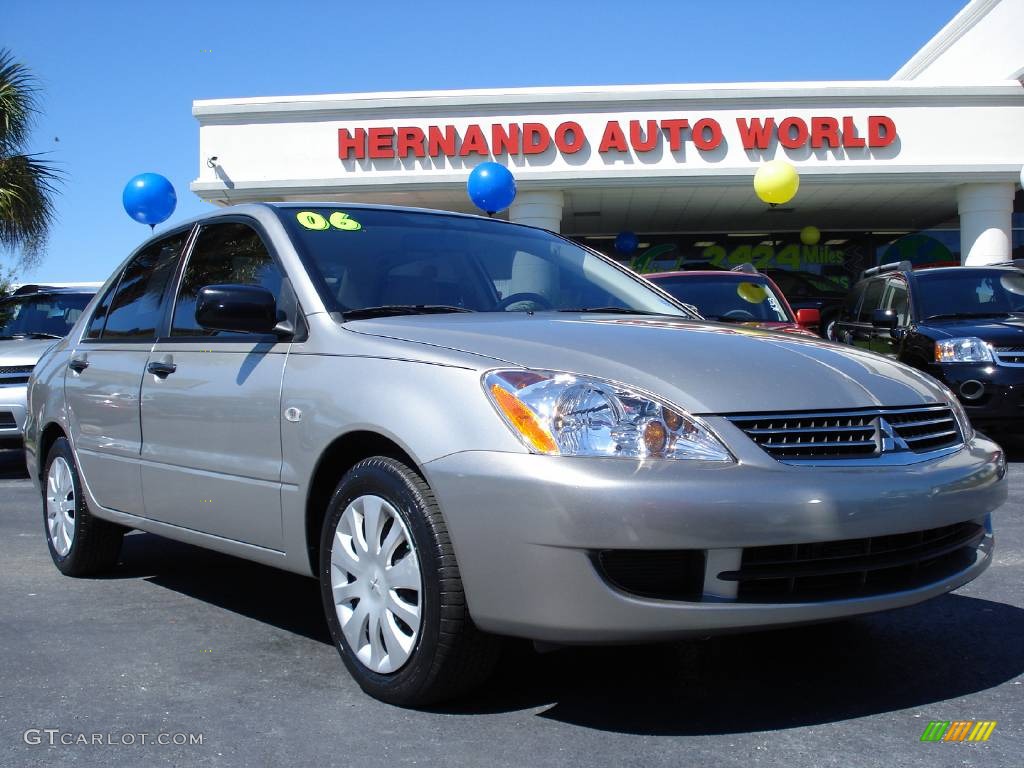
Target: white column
(985,222)
(538,209)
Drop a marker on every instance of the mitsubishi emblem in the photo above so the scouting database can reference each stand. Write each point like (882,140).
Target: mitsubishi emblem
(890,440)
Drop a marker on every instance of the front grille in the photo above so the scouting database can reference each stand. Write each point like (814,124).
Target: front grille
(796,436)
(1010,355)
(7,420)
(14,374)
(668,574)
(836,570)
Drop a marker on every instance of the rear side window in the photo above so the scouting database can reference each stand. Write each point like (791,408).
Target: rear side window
(137,305)
(872,300)
(99,315)
(228,253)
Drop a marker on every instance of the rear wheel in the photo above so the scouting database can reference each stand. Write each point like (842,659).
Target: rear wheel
(80,544)
(392,592)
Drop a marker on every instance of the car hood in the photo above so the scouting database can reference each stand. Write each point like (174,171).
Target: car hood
(21,352)
(702,366)
(997,331)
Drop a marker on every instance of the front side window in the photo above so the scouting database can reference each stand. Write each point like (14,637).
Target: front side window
(872,300)
(897,300)
(41,315)
(366,258)
(137,306)
(226,253)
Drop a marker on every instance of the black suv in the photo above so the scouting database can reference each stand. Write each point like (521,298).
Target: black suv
(962,325)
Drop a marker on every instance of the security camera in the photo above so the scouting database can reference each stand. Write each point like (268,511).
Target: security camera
(211,162)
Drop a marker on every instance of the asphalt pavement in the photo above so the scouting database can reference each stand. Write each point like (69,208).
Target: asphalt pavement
(230,663)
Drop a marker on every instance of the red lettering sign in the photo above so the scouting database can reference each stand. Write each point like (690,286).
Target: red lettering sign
(755,133)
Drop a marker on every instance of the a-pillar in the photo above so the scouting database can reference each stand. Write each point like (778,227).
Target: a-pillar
(986,212)
(538,209)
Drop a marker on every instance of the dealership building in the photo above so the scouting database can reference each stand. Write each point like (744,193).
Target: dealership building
(924,166)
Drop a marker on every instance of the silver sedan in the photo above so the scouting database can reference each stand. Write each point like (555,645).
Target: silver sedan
(465,429)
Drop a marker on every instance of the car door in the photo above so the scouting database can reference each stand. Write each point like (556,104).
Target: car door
(105,373)
(842,331)
(895,297)
(861,332)
(211,402)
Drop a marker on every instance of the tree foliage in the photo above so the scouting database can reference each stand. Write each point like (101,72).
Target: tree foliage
(28,183)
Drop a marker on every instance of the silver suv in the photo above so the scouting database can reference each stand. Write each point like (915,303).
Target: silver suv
(465,428)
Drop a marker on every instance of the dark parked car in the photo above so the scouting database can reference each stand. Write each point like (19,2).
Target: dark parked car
(806,290)
(963,325)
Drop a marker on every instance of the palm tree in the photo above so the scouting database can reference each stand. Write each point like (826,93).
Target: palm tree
(27,183)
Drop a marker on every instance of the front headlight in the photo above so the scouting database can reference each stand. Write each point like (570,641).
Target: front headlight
(969,349)
(563,414)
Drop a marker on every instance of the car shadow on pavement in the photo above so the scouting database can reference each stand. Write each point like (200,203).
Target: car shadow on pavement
(911,658)
(275,597)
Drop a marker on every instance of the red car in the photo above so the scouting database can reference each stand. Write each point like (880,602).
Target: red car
(744,297)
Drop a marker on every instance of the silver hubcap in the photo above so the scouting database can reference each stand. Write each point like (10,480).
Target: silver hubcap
(375,578)
(60,506)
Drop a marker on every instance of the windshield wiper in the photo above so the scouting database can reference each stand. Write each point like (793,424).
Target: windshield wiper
(965,315)
(392,310)
(612,311)
(36,335)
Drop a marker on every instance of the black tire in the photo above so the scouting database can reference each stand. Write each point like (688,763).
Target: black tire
(96,543)
(451,656)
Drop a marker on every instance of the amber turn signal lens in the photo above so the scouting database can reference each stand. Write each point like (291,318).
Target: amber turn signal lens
(672,419)
(655,438)
(523,419)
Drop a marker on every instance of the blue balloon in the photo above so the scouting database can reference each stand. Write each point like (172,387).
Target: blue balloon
(626,242)
(149,198)
(491,187)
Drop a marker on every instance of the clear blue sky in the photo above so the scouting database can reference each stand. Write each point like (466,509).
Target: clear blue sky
(119,76)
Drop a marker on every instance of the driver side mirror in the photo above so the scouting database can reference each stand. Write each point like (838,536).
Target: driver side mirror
(238,308)
(808,318)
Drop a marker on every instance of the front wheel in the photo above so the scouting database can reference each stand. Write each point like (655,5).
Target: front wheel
(80,544)
(392,592)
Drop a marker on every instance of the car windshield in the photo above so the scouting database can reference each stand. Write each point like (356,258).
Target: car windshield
(969,292)
(728,299)
(41,314)
(400,261)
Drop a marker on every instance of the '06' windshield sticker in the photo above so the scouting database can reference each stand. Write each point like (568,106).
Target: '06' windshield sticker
(337,220)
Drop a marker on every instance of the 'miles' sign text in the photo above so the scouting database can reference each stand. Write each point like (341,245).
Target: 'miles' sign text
(569,137)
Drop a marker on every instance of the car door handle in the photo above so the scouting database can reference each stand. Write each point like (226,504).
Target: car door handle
(161,370)
(78,364)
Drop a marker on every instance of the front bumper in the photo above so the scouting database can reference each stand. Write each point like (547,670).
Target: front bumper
(527,529)
(13,401)
(992,395)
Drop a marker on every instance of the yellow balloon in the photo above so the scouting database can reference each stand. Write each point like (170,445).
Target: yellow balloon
(776,182)
(752,293)
(810,235)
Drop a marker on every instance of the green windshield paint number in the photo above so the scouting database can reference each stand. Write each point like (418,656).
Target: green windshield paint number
(314,221)
(311,220)
(342,221)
